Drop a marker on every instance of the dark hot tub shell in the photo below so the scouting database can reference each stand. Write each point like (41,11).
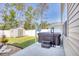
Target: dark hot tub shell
(49,36)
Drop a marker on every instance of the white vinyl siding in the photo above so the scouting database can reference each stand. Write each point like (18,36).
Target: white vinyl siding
(71,42)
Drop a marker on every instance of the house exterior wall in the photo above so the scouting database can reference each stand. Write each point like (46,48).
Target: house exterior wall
(71,41)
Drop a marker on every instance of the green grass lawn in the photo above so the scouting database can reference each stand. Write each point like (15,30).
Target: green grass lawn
(22,41)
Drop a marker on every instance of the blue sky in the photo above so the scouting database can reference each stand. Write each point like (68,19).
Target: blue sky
(52,14)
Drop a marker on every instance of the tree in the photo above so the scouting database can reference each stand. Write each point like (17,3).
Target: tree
(29,17)
(5,19)
(39,11)
(13,22)
(43,7)
(26,25)
(19,6)
(9,20)
(44,25)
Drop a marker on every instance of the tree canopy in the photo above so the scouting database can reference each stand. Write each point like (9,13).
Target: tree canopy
(31,15)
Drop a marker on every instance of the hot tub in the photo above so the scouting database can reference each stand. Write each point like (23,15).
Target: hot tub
(48,36)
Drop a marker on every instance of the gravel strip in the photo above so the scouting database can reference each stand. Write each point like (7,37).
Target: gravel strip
(13,50)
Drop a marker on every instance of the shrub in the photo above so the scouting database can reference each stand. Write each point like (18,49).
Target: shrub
(4,40)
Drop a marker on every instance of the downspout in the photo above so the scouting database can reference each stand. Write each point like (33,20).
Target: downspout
(62,10)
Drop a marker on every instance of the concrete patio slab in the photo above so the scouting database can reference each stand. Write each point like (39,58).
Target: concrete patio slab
(37,50)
